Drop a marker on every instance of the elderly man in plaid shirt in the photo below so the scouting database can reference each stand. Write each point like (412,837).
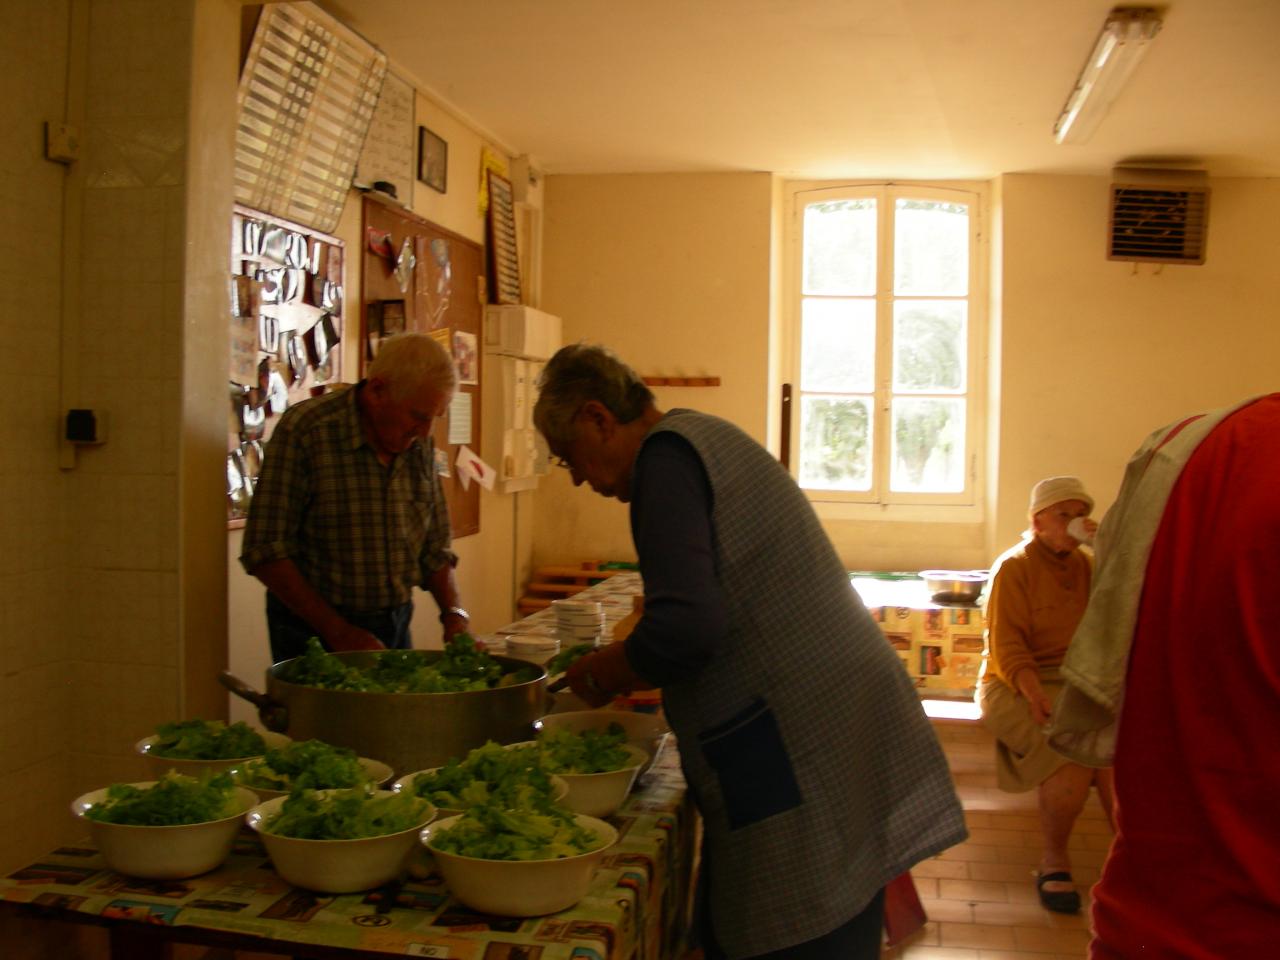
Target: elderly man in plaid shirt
(349,515)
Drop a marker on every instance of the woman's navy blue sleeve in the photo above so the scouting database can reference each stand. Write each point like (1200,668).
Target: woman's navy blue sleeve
(684,616)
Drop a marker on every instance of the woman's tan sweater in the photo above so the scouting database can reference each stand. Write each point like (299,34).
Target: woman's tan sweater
(1037,598)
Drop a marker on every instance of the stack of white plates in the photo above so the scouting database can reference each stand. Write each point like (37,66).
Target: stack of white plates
(578,621)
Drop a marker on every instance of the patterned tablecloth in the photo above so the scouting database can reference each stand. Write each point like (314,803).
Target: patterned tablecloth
(636,908)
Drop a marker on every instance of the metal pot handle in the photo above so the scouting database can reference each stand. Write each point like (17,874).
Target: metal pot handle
(273,713)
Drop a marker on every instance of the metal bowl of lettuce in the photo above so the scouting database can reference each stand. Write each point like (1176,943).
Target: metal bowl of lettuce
(411,709)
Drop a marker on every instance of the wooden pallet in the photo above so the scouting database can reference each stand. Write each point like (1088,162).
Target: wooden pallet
(557,582)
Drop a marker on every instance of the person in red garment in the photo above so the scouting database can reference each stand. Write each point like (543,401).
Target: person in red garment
(1176,670)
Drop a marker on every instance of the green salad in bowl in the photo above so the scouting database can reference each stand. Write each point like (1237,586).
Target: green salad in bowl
(462,667)
(526,861)
(193,747)
(309,764)
(599,766)
(341,841)
(174,827)
(492,773)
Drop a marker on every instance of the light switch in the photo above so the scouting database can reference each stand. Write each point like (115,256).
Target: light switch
(61,142)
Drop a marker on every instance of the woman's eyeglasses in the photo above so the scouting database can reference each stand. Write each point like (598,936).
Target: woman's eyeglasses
(561,462)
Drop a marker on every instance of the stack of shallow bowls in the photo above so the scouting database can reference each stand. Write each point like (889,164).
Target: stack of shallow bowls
(579,621)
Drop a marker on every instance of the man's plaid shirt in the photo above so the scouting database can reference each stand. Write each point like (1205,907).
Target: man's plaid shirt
(361,533)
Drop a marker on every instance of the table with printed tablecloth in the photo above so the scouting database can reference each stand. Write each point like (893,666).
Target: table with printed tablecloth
(940,645)
(636,909)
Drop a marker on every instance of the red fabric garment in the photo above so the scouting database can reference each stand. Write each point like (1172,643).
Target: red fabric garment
(1194,871)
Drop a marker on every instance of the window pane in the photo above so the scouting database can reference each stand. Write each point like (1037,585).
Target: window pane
(835,443)
(930,345)
(931,248)
(928,445)
(838,345)
(840,248)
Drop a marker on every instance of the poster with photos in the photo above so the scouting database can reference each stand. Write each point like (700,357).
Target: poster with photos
(466,356)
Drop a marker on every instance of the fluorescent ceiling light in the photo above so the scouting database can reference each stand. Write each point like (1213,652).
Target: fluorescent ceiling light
(1123,41)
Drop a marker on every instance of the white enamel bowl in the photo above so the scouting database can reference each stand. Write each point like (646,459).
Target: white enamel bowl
(193,768)
(601,794)
(377,771)
(533,649)
(164,852)
(645,730)
(337,866)
(520,888)
(559,789)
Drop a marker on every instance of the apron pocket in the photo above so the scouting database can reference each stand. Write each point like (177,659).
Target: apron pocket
(752,765)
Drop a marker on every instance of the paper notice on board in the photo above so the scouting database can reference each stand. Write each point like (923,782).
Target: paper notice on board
(470,467)
(460,418)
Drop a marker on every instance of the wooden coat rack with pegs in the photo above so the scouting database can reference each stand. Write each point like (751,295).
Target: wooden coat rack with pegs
(682,381)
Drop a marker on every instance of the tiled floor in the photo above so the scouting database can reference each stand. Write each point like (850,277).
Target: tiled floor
(980,896)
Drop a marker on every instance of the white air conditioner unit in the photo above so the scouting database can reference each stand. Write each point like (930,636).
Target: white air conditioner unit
(1158,215)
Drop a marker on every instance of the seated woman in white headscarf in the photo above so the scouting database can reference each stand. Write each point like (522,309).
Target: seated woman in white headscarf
(1039,590)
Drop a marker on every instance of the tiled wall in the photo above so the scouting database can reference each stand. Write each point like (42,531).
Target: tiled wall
(89,570)
(124,565)
(36,650)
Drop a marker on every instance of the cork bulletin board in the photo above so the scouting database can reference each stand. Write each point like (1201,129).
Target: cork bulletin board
(419,277)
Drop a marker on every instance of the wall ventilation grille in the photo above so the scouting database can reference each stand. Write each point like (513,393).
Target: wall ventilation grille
(1155,219)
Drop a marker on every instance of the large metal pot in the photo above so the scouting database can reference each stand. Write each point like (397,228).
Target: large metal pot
(408,731)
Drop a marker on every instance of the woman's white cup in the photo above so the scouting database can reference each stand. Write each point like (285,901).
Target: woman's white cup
(1077,529)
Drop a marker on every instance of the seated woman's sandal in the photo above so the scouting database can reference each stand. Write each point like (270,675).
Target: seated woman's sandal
(1059,901)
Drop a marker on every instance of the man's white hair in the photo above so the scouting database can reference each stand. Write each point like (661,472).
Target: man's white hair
(408,362)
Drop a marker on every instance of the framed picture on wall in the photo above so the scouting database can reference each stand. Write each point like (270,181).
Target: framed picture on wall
(433,160)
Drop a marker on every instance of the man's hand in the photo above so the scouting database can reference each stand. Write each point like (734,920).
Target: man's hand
(599,677)
(350,637)
(454,625)
(1028,683)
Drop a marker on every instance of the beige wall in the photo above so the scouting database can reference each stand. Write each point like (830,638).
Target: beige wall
(1096,354)
(672,272)
(1085,356)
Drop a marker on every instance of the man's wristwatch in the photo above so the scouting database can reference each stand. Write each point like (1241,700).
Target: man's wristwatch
(448,612)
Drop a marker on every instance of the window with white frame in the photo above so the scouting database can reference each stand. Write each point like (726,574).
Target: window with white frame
(887,317)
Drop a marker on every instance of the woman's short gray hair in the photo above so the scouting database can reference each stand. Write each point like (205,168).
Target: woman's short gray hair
(582,372)
(409,362)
